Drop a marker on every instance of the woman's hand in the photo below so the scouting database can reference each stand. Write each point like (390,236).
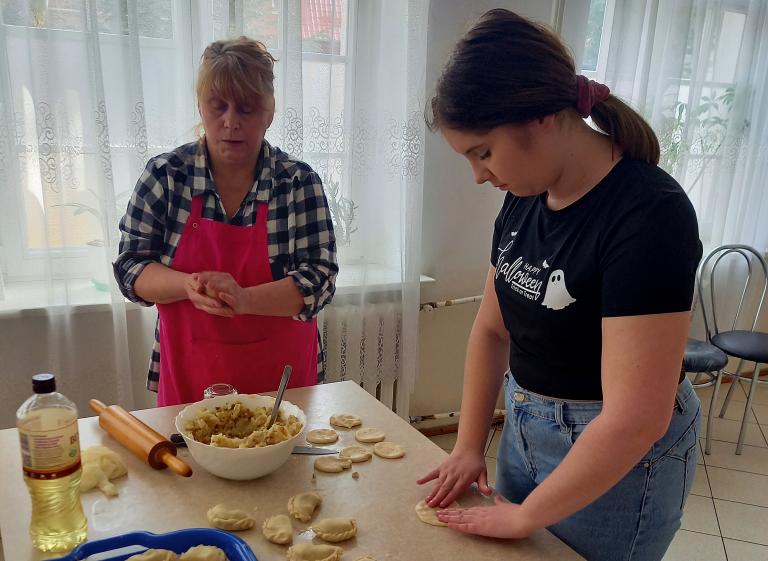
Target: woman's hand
(502,520)
(454,475)
(231,297)
(203,299)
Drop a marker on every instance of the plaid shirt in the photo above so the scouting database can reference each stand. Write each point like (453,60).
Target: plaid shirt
(299,228)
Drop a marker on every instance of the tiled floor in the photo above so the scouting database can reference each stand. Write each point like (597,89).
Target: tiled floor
(726,516)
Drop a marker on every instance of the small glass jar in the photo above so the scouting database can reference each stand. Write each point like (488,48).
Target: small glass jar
(218,389)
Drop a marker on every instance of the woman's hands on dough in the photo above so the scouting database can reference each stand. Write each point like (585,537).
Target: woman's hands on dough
(223,296)
(454,475)
(501,520)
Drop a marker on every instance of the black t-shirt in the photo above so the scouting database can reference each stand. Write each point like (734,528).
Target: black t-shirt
(630,246)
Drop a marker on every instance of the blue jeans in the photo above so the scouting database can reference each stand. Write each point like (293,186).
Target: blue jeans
(638,517)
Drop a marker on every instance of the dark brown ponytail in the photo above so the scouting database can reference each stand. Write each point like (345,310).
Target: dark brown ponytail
(508,69)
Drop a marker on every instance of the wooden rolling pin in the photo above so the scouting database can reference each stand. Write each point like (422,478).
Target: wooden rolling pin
(143,441)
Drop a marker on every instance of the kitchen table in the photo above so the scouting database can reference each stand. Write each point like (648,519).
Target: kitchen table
(381,499)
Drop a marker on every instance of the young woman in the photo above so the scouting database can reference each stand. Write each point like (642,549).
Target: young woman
(585,310)
(233,240)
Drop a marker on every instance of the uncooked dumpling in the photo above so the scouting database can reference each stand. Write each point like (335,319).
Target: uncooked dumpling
(388,450)
(370,435)
(100,464)
(335,529)
(303,505)
(155,555)
(366,558)
(346,421)
(314,552)
(232,520)
(356,454)
(428,514)
(332,464)
(322,436)
(204,553)
(278,529)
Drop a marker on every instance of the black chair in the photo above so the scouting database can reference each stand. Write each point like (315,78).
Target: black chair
(703,359)
(746,345)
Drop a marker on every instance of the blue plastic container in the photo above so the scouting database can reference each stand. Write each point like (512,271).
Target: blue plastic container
(179,541)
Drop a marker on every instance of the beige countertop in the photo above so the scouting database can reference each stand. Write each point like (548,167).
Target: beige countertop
(382,500)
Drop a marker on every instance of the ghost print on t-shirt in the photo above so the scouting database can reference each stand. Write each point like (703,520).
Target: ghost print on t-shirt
(557,296)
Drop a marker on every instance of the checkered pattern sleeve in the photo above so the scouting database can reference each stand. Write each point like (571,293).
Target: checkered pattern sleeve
(314,257)
(142,229)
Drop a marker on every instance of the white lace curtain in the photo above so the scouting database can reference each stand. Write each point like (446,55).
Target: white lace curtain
(90,89)
(698,70)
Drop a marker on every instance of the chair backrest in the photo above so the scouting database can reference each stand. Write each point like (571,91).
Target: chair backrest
(755,263)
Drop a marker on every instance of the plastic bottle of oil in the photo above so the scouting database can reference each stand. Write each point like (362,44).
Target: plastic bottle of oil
(50,454)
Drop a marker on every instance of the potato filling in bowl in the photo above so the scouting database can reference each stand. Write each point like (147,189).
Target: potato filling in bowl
(236,426)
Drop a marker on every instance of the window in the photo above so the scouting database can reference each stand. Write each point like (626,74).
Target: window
(597,39)
(85,121)
(100,109)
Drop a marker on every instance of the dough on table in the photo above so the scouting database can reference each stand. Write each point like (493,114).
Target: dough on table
(303,505)
(356,454)
(370,435)
(366,558)
(278,529)
(332,464)
(155,555)
(428,514)
(100,464)
(232,520)
(388,450)
(335,529)
(322,436)
(204,553)
(346,421)
(314,552)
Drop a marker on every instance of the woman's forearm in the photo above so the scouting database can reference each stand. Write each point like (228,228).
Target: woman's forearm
(486,362)
(604,453)
(160,284)
(277,298)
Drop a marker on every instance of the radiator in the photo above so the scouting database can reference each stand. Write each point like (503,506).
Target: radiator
(362,343)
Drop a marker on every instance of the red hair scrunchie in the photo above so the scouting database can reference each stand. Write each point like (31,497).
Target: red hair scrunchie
(588,93)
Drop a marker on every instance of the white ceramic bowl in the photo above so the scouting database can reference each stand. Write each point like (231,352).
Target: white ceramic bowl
(239,463)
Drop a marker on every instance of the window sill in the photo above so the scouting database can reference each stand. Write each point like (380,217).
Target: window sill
(80,295)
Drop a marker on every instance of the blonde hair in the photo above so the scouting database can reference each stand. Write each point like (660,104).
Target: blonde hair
(238,69)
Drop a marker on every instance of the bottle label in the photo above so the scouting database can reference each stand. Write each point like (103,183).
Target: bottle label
(49,454)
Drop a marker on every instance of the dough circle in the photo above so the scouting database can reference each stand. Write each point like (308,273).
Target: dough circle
(356,453)
(428,515)
(322,436)
(370,435)
(388,450)
(345,420)
(332,464)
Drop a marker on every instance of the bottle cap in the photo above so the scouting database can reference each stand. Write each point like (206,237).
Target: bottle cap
(43,383)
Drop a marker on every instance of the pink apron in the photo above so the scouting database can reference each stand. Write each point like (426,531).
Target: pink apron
(198,349)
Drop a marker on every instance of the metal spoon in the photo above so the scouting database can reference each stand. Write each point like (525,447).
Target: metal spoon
(280,391)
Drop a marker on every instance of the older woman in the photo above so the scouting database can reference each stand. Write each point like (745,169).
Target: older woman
(232,240)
